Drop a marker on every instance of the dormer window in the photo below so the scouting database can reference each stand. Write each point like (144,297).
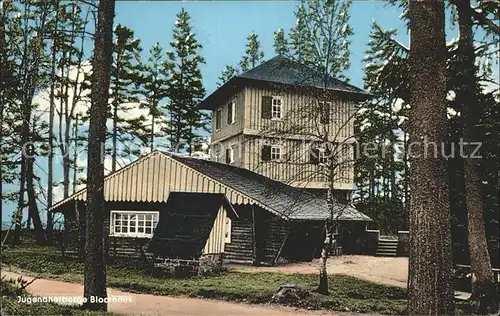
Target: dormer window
(231,113)
(217,119)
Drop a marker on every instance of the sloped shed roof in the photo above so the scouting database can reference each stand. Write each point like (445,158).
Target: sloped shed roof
(153,176)
(184,230)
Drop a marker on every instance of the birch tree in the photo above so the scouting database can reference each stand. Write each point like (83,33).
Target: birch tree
(320,42)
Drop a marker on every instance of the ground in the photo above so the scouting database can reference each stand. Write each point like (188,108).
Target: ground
(147,304)
(391,271)
(346,293)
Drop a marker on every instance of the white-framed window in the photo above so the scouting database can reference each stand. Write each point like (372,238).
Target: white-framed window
(227,236)
(217,156)
(322,156)
(277,108)
(230,155)
(231,113)
(275,152)
(133,224)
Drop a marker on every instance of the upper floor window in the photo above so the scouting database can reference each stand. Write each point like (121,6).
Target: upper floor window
(322,156)
(272,107)
(271,152)
(276,108)
(230,155)
(133,224)
(217,119)
(324,112)
(275,152)
(217,156)
(231,113)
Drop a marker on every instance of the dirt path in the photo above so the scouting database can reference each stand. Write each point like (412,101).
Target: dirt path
(385,270)
(145,304)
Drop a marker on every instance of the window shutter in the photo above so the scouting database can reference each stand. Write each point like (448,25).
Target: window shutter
(325,113)
(266,107)
(314,156)
(266,153)
(228,155)
(230,113)
(217,119)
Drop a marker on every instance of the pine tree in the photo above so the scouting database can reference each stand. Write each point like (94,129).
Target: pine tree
(125,81)
(484,291)
(68,54)
(253,53)
(321,36)
(386,75)
(185,89)
(430,279)
(226,75)
(94,284)
(29,29)
(155,86)
(383,120)
(281,45)
(9,96)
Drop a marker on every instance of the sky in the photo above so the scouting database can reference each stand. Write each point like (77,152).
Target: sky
(222,28)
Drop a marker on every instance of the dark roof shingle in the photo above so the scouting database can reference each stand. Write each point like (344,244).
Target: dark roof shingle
(282,70)
(289,202)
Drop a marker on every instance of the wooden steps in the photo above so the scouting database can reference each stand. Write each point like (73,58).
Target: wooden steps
(387,247)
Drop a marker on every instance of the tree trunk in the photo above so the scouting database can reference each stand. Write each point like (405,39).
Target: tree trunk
(50,172)
(484,292)
(430,289)
(95,270)
(325,254)
(115,134)
(32,205)
(75,154)
(327,245)
(18,217)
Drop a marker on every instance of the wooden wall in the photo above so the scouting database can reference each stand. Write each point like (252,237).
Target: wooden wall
(256,237)
(300,110)
(294,130)
(136,247)
(216,239)
(296,168)
(229,129)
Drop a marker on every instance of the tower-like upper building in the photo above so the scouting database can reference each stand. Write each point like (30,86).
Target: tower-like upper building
(275,118)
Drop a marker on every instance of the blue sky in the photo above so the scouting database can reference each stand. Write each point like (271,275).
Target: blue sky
(223,26)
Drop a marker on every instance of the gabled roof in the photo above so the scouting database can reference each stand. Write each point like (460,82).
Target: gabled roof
(282,70)
(153,176)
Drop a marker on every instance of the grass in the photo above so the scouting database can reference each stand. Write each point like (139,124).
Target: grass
(346,293)
(10,305)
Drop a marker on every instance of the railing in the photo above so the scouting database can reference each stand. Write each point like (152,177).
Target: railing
(496,272)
